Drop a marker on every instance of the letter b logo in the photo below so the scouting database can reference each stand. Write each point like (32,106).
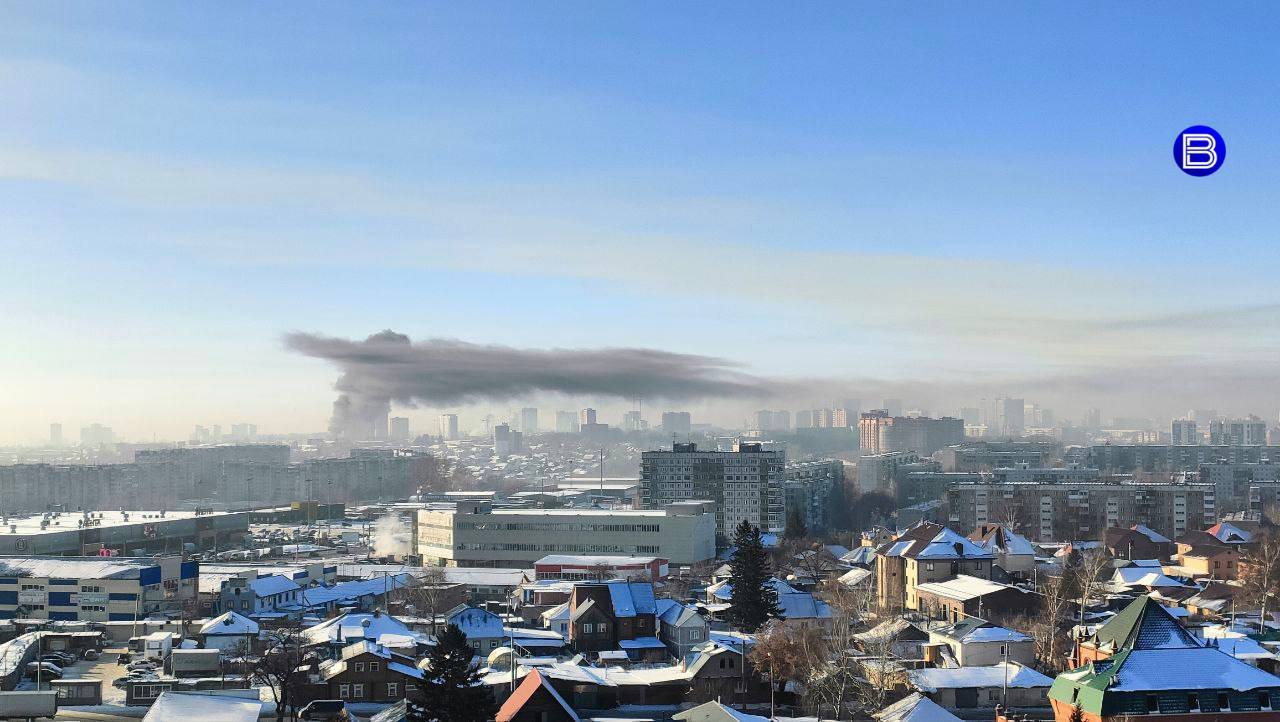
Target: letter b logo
(1199,150)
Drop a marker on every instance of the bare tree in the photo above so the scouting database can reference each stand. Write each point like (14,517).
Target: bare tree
(842,678)
(600,571)
(427,593)
(1260,573)
(1091,567)
(681,585)
(784,655)
(283,667)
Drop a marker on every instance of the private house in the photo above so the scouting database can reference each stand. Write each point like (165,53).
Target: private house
(229,631)
(1147,575)
(897,636)
(1204,555)
(1142,662)
(716,712)
(965,596)
(483,629)
(369,672)
(557,619)
(1013,552)
(680,627)
(334,635)
(1138,542)
(923,554)
(616,615)
(535,700)
(974,642)
(915,707)
(1010,685)
(252,595)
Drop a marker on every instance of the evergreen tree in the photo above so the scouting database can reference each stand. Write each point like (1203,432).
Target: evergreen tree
(453,690)
(795,526)
(755,600)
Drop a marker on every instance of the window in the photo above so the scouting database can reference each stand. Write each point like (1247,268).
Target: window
(393,689)
(357,690)
(375,666)
(928,567)
(1224,703)
(359,666)
(344,691)
(1153,703)
(695,635)
(1264,700)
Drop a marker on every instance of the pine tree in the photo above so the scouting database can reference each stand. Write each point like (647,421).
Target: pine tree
(453,690)
(795,526)
(755,600)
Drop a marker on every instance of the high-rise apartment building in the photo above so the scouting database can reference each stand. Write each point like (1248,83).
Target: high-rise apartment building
(744,484)
(449,427)
(506,441)
(631,421)
(804,419)
(566,422)
(1184,432)
(1010,417)
(55,434)
(1251,431)
(879,432)
(767,420)
(399,428)
(97,435)
(586,416)
(676,422)
(893,407)
(528,420)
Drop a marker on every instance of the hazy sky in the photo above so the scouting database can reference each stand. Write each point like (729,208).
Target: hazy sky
(978,196)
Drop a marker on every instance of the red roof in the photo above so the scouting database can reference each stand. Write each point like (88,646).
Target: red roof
(525,692)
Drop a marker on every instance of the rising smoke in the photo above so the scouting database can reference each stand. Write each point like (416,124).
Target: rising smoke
(388,367)
(390,537)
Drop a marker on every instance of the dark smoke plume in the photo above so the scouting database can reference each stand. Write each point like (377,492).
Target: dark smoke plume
(388,367)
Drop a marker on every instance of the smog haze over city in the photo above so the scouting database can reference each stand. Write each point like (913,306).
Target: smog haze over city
(287,216)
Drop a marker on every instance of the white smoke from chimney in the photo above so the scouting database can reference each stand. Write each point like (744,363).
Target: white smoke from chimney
(390,537)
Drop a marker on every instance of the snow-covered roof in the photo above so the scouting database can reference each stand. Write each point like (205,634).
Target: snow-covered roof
(477,623)
(632,598)
(321,596)
(356,626)
(1151,534)
(855,576)
(556,613)
(950,545)
(672,612)
(84,568)
(1002,540)
(934,679)
(803,605)
(641,643)
(271,585)
(175,707)
(229,623)
(716,712)
(915,708)
(975,630)
(859,555)
(724,590)
(587,560)
(1186,668)
(1139,576)
(964,587)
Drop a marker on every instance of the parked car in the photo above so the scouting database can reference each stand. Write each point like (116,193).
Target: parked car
(62,659)
(44,669)
(92,655)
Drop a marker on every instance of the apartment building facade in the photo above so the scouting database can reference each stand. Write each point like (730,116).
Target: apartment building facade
(746,484)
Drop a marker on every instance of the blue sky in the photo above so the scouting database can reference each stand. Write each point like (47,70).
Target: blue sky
(976,196)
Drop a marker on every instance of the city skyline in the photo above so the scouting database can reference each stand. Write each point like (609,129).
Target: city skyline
(940,205)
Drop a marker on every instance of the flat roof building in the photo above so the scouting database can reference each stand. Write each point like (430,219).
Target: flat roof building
(128,533)
(474,534)
(101,589)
